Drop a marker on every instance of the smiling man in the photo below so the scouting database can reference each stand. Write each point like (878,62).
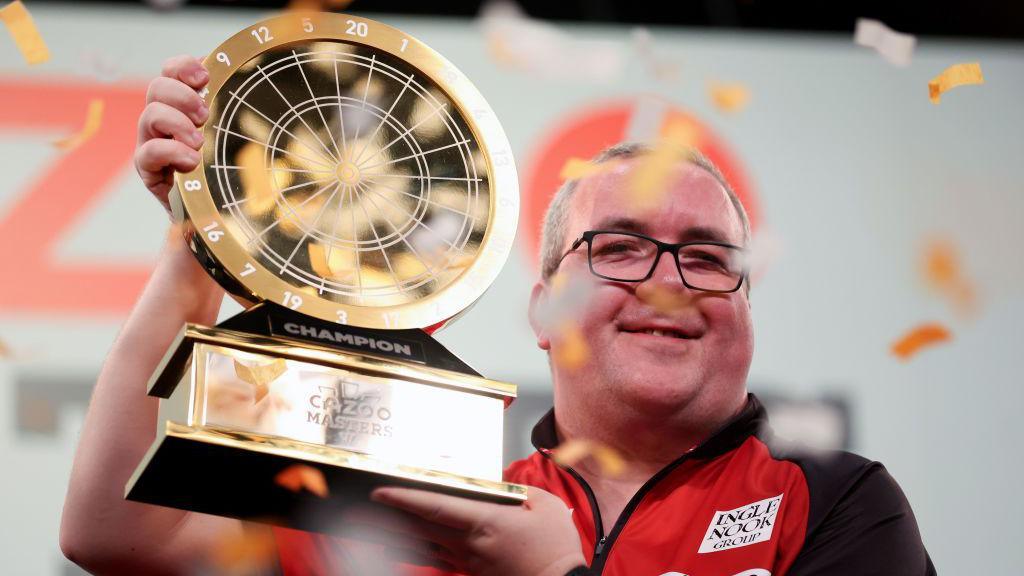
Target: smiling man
(707,490)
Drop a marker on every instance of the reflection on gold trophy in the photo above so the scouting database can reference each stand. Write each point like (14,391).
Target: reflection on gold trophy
(357,190)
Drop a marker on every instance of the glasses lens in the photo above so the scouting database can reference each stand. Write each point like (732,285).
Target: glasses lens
(621,256)
(711,267)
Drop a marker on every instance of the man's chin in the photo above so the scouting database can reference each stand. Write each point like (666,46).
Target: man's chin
(657,394)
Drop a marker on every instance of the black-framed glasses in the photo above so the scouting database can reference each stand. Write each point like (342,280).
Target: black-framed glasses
(632,257)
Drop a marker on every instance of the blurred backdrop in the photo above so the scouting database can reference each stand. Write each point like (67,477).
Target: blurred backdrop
(869,202)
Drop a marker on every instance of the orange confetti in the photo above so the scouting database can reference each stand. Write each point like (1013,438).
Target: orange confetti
(261,376)
(575,168)
(942,273)
(93,120)
(663,300)
(650,177)
(299,476)
(24,32)
(729,97)
(246,552)
(501,51)
(955,75)
(339,265)
(573,451)
(920,337)
(572,351)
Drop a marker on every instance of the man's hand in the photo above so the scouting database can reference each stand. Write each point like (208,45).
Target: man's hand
(537,538)
(169,138)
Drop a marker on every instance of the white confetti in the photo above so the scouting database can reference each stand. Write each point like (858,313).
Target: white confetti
(895,47)
(539,48)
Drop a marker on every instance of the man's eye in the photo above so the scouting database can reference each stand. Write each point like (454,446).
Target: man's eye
(616,248)
(704,259)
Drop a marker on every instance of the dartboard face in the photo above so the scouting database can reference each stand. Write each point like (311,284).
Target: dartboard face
(350,173)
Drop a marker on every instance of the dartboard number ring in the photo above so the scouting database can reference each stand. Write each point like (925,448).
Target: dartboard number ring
(350,173)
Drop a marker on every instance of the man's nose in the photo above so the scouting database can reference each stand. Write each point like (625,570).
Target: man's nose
(666,272)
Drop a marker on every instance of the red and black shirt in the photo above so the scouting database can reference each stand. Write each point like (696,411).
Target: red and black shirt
(743,503)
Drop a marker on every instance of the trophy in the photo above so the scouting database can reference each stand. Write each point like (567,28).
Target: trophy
(357,192)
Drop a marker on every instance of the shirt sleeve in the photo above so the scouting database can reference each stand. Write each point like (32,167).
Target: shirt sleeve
(871,530)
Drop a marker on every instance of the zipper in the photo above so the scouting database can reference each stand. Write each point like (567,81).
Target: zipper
(604,543)
(600,546)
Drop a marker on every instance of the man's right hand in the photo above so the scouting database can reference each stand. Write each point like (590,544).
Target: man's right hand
(169,128)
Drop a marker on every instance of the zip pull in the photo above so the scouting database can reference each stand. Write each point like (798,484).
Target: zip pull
(600,546)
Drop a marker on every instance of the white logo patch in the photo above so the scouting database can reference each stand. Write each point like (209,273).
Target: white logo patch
(743,526)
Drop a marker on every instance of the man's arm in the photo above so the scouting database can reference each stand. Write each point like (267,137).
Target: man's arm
(100,530)
(870,531)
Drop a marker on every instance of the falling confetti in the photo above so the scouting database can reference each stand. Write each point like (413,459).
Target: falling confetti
(571,351)
(647,118)
(572,452)
(93,120)
(251,551)
(258,182)
(26,36)
(664,300)
(895,47)
(298,477)
(920,337)
(765,249)
(576,168)
(955,75)
(649,180)
(661,69)
(943,274)
(730,98)
(568,296)
(523,43)
(261,376)
(338,265)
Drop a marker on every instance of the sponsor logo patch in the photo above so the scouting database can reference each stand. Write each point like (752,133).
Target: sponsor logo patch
(743,526)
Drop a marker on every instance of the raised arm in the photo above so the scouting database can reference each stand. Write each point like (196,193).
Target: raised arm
(100,530)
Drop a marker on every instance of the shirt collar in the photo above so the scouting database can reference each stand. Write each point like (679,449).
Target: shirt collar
(747,423)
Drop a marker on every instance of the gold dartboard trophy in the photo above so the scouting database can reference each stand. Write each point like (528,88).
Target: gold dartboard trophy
(356,189)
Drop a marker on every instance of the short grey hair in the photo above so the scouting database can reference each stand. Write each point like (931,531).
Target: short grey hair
(557,215)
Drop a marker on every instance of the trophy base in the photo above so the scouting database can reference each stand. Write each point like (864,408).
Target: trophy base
(237,408)
(225,473)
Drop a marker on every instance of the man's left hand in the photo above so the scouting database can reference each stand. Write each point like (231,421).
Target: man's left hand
(537,538)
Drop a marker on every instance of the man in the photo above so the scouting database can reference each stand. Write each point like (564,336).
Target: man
(706,490)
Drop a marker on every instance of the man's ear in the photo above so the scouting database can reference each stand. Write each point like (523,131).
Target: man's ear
(537,299)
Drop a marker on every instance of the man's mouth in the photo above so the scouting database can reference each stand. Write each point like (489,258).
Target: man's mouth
(667,333)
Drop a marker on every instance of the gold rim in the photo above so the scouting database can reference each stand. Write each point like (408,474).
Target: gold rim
(210,194)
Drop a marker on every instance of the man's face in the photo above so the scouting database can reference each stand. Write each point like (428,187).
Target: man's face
(703,357)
